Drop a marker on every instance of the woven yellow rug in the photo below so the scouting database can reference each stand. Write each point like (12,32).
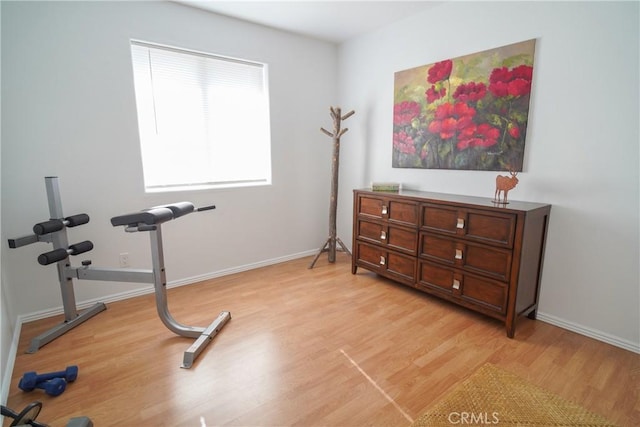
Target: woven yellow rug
(492,396)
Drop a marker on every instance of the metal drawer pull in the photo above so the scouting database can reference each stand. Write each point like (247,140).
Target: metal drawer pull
(458,253)
(383,235)
(460,223)
(456,284)
(382,261)
(384,210)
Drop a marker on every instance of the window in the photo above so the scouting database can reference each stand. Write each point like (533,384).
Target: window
(203,119)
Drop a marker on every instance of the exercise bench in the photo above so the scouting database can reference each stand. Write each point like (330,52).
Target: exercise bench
(148,220)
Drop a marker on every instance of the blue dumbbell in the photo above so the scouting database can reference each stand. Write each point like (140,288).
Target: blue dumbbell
(53,387)
(30,380)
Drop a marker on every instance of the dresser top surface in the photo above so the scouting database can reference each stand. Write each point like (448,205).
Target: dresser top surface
(484,202)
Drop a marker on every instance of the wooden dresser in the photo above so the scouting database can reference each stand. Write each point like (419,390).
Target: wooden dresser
(478,254)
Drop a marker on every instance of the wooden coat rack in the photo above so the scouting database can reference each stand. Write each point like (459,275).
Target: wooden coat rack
(333,240)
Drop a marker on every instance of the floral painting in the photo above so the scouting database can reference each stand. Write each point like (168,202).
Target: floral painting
(467,113)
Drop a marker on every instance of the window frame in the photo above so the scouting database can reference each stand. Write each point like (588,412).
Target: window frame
(188,185)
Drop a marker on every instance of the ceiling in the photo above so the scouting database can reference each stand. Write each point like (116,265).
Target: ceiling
(333,21)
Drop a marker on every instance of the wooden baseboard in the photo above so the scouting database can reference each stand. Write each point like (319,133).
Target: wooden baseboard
(589,332)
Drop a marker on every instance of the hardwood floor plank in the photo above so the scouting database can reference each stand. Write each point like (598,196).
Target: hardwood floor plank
(282,358)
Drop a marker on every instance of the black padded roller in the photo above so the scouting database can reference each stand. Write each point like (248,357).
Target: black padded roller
(154,215)
(53,256)
(179,209)
(75,220)
(47,227)
(148,217)
(80,248)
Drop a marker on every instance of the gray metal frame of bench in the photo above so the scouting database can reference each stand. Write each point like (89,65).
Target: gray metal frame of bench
(149,220)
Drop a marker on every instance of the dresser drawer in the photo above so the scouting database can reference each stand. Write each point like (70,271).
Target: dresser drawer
(487,293)
(395,211)
(474,257)
(387,263)
(483,226)
(391,236)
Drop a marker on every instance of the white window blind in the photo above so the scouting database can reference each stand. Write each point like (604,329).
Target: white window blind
(203,119)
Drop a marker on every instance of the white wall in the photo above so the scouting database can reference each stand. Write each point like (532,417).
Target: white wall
(68,110)
(582,141)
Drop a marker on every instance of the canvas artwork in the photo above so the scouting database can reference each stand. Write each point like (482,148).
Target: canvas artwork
(469,112)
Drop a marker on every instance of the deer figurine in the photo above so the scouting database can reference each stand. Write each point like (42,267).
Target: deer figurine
(504,184)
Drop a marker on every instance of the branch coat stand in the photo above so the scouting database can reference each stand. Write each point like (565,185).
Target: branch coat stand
(333,240)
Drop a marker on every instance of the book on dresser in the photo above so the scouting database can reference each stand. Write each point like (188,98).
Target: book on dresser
(471,251)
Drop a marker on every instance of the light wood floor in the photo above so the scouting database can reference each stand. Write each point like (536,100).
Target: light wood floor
(318,347)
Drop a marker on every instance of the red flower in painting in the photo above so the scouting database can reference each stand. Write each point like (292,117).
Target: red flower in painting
(486,135)
(483,135)
(440,71)
(515,82)
(519,87)
(451,119)
(471,91)
(403,143)
(499,89)
(522,72)
(405,112)
(446,128)
(498,81)
(514,131)
(459,109)
(500,75)
(433,94)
